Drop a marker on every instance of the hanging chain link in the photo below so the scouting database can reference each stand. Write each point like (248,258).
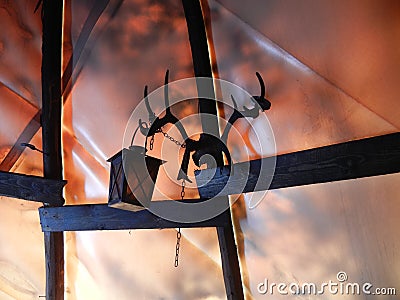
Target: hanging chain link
(178,243)
(166,135)
(152,142)
(183,189)
(178,234)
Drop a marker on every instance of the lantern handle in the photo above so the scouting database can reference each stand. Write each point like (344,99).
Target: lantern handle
(136,130)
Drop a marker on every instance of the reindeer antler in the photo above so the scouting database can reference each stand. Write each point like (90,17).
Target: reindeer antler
(259,101)
(152,115)
(264,103)
(156,122)
(166,93)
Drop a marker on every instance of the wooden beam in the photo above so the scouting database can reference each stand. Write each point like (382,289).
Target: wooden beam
(31,188)
(201,65)
(34,125)
(51,88)
(25,137)
(54,256)
(102,217)
(52,16)
(355,159)
(69,75)
(202,68)
(232,276)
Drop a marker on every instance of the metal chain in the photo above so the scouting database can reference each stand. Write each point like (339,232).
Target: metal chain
(178,234)
(152,142)
(183,189)
(178,242)
(166,135)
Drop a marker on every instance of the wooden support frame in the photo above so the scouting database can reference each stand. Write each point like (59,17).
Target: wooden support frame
(380,155)
(355,159)
(312,164)
(34,124)
(202,68)
(232,276)
(101,217)
(52,18)
(33,188)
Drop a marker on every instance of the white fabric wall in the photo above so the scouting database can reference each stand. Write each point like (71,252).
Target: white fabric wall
(331,70)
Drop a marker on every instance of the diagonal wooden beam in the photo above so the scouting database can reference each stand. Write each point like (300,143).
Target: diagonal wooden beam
(356,159)
(94,15)
(33,188)
(34,125)
(25,137)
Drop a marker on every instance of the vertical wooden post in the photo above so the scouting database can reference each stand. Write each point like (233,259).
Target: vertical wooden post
(202,68)
(230,262)
(201,65)
(52,12)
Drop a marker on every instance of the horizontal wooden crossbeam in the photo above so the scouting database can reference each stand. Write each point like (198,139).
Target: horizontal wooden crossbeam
(102,217)
(356,159)
(33,188)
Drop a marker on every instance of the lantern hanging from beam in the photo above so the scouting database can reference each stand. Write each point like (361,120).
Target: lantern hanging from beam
(132,178)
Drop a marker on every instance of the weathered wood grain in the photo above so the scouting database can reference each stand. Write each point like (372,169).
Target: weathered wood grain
(31,188)
(102,217)
(230,262)
(52,21)
(355,159)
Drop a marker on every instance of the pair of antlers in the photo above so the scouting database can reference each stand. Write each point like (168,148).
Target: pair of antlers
(207,144)
(157,123)
(259,102)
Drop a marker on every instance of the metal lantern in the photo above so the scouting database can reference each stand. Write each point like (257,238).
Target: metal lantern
(132,178)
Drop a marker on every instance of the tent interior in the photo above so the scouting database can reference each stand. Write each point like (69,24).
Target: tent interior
(332,71)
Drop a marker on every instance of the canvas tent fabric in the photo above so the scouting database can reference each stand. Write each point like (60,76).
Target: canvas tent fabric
(331,70)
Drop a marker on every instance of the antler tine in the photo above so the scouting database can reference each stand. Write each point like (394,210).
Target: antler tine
(169,117)
(166,95)
(146,99)
(262,102)
(152,115)
(262,85)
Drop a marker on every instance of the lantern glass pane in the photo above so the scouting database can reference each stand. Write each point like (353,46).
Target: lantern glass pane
(116,179)
(141,174)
